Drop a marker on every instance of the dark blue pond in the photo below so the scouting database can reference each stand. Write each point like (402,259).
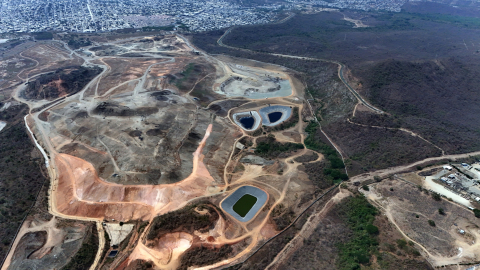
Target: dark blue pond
(113,253)
(247,122)
(274,116)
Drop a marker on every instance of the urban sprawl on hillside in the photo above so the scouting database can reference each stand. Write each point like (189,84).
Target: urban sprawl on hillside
(98,15)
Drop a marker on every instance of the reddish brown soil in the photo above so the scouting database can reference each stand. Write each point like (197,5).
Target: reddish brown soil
(81,192)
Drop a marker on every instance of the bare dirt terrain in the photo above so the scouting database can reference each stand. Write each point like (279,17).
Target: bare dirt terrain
(151,143)
(409,209)
(149,136)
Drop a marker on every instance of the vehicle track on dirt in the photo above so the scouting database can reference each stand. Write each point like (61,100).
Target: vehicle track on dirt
(434,260)
(305,232)
(400,129)
(412,166)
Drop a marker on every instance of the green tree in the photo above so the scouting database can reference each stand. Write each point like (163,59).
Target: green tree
(476,212)
(371,229)
(436,196)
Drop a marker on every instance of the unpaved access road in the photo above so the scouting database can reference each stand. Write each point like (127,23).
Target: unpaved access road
(393,170)
(307,230)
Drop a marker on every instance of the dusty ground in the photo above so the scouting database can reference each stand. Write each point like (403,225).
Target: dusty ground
(148,136)
(48,57)
(117,232)
(409,209)
(46,244)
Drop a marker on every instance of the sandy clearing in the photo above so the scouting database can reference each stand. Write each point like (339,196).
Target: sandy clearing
(166,252)
(5,106)
(465,249)
(358,23)
(45,156)
(117,232)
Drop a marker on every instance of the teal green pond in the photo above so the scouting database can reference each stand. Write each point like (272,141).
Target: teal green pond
(244,204)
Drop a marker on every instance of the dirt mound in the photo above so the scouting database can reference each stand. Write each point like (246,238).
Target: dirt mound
(60,83)
(81,192)
(30,243)
(173,245)
(188,219)
(112,109)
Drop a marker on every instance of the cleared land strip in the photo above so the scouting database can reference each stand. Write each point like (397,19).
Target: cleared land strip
(393,170)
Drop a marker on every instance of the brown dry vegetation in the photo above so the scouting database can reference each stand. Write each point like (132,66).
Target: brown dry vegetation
(9,68)
(437,99)
(22,174)
(449,82)
(369,148)
(221,108)
(69,236)
(322,249)
(201,256)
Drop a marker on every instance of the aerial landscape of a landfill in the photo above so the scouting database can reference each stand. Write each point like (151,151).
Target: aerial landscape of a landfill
(236,135)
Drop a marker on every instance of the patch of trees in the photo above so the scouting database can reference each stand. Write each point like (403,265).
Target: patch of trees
(183,220)
(282,216)
(85,256)
(43,35)
(359,215)
(269,148)
(113,109)
(140,265)
(333,168)
(62,82)
(78,43)
(309,157)
(436,196)
(185,79)
(200,256)
(158,28)
(317,173)
(407,247)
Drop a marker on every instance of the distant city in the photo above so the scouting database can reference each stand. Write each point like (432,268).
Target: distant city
(108,15)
